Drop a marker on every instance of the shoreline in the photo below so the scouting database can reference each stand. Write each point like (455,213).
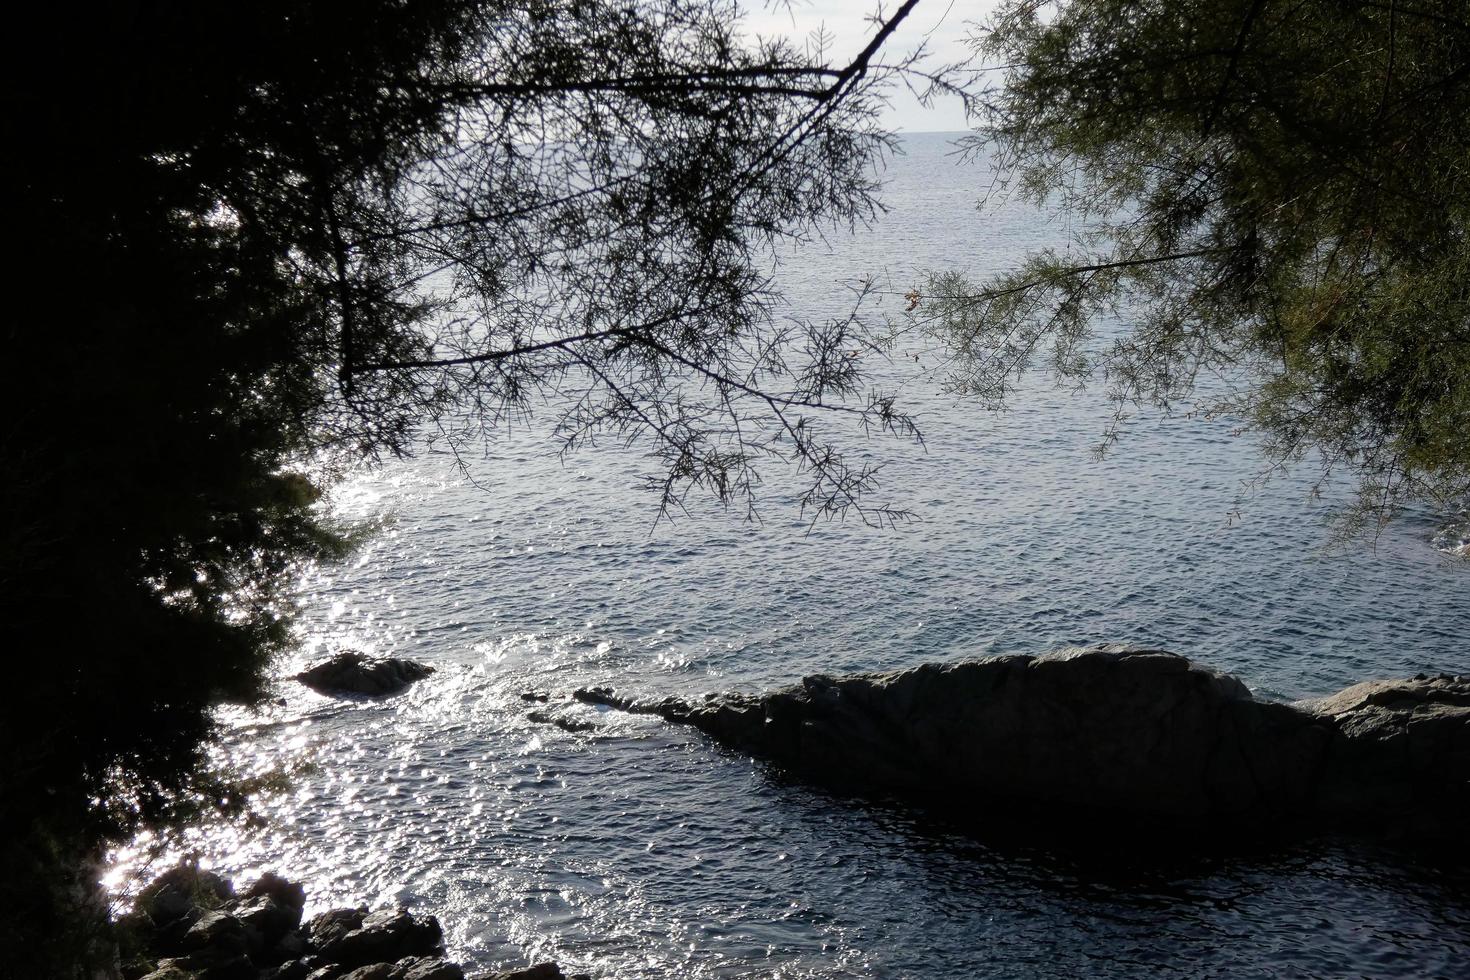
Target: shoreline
(827,731)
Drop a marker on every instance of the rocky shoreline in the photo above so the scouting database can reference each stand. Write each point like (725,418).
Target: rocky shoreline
(1092,739)
(190,924)
(1110,736)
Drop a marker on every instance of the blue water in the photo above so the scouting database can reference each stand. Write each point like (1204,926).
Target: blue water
(636,849)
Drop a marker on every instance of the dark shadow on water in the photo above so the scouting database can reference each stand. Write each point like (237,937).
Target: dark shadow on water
(1040,902)
(1103,857)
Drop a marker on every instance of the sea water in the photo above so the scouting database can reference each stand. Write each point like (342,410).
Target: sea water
(631,848)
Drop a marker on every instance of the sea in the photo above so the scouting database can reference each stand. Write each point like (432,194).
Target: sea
(626,847)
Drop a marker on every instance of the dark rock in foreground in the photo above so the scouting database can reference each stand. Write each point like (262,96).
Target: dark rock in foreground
(351,672)
(1111,731)
(188,925)
(355,937)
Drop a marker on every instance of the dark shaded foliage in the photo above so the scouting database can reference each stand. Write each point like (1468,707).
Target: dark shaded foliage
(259,241)
(166,365)
(1272,191)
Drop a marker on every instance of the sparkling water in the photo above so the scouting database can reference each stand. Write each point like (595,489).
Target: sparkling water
(631,848)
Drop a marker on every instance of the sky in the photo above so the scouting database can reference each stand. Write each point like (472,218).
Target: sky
(943,22)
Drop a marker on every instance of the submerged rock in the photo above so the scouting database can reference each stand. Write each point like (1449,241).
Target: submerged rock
(356,673)
(562,720)
(1109,732)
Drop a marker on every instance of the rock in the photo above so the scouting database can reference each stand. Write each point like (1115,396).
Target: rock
(1107,732)
(565,722)
(218,931)
(234,968)
(426,968)
(213,964)
(330,928)
(373,971)
(352,938)
(541,971)
(266,920)
(297,969)
(169,973)
(1400,748)
(182,892)
(287,893)
(258,936)
(292,945)
(356,673)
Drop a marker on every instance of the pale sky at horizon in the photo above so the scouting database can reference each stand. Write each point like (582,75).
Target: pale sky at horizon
(943,22)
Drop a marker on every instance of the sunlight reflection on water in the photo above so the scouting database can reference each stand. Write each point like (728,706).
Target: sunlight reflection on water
(630,848)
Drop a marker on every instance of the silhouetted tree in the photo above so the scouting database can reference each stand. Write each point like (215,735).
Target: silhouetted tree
(1273,191)
(262,240)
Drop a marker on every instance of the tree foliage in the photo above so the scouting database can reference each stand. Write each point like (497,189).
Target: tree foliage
(263,240)
(1277,192)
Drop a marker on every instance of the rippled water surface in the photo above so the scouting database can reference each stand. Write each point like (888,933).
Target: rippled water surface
(634,849)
